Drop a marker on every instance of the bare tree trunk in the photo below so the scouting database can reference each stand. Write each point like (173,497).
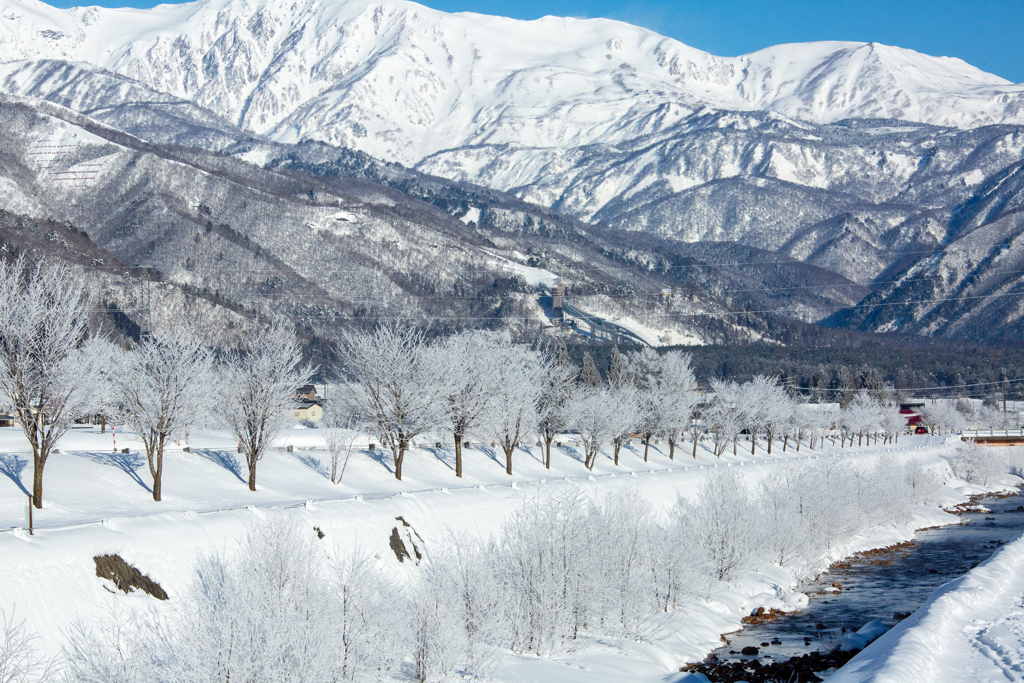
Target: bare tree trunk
(155,455)
(785,440)
(458,455)
(769,435)
(672,448)
(508,457)
(616,445)
(647,444)
(547,450)
(753,440)
(252,474)
(399,456)
(37,483)
(694,447)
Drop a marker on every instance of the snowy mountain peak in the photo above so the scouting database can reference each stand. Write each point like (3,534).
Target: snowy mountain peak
(402,81)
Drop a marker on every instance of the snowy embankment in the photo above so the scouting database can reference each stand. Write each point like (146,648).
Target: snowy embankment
(971,629)
(98,503)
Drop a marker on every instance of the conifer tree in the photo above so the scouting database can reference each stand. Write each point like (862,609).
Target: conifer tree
(589,376)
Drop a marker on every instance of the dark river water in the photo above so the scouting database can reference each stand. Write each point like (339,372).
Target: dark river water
(877,587)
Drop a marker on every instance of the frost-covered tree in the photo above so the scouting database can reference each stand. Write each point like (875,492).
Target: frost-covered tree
(622,421)
(554,399)
(394,385)
(159,388)
(724,417)
(590,413)
(717,526)
(618,369)
(675,397)
(724,423)
(589,375)
(461,614)
(942,416)
(518,381)
(48,365)
(339,429)
(892,421)
(777,409)
(258,390)
(862,416)
(462,366)
(644,368)
(763,404)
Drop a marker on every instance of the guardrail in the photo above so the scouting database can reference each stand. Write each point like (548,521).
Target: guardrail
(971,433)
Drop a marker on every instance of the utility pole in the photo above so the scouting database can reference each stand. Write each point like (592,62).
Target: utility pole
(145,301)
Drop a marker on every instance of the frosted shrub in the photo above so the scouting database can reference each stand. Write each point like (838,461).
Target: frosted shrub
(460,614)
(785,541)
(563,572)
(624,544)
(19,661)
(922,483)
(543,559)
(718,531)
(977,465)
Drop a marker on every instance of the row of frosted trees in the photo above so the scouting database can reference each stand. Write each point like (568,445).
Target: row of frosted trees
(53,371)
(483,384)
(395,383)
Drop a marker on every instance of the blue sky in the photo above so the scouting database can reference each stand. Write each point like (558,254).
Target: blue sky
(986,33)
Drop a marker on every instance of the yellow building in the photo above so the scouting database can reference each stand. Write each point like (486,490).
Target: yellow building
(307,410)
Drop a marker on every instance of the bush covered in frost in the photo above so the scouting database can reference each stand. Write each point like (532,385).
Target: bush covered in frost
(563,572)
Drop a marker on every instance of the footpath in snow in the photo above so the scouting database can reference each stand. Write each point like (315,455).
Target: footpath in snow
(98,502)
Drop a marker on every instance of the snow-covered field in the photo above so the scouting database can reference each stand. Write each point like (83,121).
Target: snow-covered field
(98,503)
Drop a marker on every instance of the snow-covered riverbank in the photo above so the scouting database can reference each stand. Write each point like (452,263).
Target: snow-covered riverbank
(50,578)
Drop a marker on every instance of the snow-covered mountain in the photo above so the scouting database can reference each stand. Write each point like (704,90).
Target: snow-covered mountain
(859,159)
(401,81)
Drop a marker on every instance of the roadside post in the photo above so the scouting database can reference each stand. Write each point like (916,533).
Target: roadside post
(28,516)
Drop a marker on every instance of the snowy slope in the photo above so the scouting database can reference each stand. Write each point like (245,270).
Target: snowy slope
(401,81)
(208,508)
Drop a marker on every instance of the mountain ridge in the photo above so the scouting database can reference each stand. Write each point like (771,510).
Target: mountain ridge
(319,70)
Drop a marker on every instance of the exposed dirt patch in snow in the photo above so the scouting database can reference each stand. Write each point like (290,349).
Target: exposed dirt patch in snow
(126,577)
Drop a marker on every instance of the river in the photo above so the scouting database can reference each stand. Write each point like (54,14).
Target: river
(880,586)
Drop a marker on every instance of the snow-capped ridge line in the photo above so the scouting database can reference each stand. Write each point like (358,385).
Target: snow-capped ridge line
(322,71)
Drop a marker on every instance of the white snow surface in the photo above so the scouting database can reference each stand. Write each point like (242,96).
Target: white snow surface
(98,502)
(971,629)
(402,81)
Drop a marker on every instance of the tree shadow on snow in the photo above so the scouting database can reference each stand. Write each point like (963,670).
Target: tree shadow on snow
(446,456)
(574,453)
(492,453)
(126,462)
(384,458)
(313,463)
(225,459)
(13,466)
(538,456)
